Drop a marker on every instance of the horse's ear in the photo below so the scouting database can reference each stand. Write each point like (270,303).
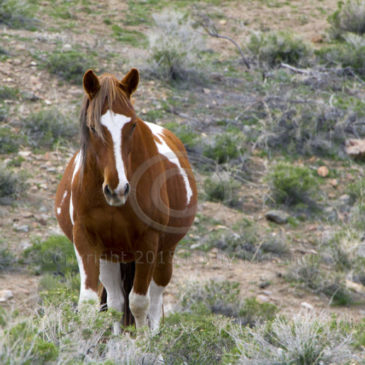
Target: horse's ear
(130,81)
(91,83)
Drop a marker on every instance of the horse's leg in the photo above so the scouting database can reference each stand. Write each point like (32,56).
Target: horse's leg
(88,262)
(145,262)
(111,280)
(161,277)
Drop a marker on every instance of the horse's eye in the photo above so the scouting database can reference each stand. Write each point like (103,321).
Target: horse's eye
(93,129)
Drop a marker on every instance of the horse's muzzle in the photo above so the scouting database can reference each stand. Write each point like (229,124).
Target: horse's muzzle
(114,198)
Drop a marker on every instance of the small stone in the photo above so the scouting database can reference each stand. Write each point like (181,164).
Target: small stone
(25,244)
(206,91)
(334,183)
(262,298)
(277,216)
(264,284)
(323,171)
(307,306)
(5,295)
(24,228)
(345,199)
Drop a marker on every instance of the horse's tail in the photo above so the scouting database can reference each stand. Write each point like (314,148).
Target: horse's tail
(127,276)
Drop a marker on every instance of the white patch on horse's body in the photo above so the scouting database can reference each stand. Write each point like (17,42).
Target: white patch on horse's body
(155,310)
(111,280)
(77,165)
(71,210)
(63,199)
(138,305)
(166,151)
(85,293)
(114,123)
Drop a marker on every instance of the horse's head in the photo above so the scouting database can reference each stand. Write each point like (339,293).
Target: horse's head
(108,121)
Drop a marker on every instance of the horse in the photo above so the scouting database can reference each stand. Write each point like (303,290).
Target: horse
(126,198)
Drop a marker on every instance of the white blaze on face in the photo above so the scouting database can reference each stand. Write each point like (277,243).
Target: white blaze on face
(115,123)
(166,151)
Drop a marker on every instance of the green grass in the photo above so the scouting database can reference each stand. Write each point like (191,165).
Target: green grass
(48,127)
(69,65)
(55,255)
(133,37)
(18,14)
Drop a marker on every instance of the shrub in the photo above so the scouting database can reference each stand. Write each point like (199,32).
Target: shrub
(304,340)
(7,260)
(222,188)
(47,127)
(192,339)
(349,17)
(186,134)
(292,185)
(309,273)
(223,297)
(9,141)
(17,14)
(69,65)
(174,47)
(275,48)
(11,185)
(350,54)
(8,93)
(55,255)
(226,147)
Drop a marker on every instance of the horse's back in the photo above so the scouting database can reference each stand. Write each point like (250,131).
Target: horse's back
(63,199)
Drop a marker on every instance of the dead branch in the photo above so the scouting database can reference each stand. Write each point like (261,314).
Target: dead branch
(211,29)
(294,69)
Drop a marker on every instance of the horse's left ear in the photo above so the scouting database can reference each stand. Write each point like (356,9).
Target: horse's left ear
(91,83)
(130,81)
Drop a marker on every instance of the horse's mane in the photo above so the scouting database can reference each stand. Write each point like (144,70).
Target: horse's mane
(109,94)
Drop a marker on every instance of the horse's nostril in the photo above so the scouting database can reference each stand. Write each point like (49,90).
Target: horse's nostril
(126,190)
(107,190)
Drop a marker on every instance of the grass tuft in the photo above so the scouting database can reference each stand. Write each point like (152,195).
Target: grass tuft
(12,185)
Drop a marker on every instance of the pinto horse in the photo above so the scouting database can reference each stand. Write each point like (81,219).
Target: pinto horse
(127,197)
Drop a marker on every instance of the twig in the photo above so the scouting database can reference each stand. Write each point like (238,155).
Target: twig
(211,29)
(294,69)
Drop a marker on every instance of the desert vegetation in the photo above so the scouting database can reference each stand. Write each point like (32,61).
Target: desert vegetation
(265,96)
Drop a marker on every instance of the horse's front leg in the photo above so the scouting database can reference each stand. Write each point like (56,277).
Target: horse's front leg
(145,263)
(88,262)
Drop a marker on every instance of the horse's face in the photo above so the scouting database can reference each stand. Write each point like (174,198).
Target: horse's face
(110,141)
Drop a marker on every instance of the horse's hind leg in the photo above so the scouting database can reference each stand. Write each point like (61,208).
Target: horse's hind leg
(111,280)
(161,277)
(139,300)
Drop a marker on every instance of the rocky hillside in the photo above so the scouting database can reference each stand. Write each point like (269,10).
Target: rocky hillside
(265,96)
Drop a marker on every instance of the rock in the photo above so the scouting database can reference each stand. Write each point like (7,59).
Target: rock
(24,228)
(264,284)
(29,96)
(5,295)
(355,148)
(25,244)
(331,214)
(323,171)
(334,183)
(357,288)
(307,306)
(277,216)
(262,298)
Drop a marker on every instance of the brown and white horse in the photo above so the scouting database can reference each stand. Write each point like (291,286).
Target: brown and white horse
(126,199)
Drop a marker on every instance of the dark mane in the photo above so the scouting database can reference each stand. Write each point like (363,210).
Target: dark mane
(109,94)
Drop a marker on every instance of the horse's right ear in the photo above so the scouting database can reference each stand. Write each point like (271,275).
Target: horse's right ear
(91,83)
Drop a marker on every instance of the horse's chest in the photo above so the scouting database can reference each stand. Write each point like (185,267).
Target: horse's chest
(112,229)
